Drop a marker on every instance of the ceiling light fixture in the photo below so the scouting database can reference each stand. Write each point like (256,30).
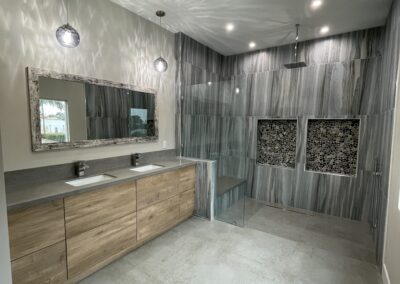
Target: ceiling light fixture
(229,27)
(252,44)
(160,64)
(237,90)
(209,83)
(66,35)
(324,30)
(315,4)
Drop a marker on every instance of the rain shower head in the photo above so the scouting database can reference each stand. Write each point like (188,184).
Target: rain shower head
(296,63)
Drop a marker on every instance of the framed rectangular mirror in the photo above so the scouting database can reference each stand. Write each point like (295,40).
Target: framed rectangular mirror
(70,111)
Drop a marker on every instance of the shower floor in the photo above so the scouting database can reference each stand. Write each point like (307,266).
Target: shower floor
(340,236)
(274,246)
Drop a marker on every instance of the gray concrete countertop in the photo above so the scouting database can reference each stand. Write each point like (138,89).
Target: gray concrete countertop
(19,197)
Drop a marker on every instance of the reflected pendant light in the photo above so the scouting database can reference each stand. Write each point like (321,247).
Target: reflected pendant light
(160,64)
(66,35)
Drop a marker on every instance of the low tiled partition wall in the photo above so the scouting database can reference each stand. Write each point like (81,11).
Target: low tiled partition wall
(332,146)
(205,187)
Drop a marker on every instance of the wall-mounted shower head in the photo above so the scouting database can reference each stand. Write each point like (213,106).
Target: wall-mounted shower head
(296,63)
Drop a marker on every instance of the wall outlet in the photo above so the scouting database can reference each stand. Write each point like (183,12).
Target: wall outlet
(164,144)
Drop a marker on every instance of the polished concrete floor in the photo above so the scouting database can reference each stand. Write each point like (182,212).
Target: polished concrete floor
(275,246)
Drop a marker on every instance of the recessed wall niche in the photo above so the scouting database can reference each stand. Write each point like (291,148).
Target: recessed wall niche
(332,146)
(276,142)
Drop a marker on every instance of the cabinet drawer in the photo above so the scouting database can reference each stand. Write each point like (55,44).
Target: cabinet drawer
(187,178)
(153,189)
(91,209)
(35,228)
(47,265)
(157,218)
(187,203)
(93,249)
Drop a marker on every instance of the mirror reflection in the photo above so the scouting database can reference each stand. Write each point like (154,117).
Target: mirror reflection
(72,111)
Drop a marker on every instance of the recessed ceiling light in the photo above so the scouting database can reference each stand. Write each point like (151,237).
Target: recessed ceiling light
(229,27)
(315,4)
(324,30)
(209,83)
(252,44)
(237,90)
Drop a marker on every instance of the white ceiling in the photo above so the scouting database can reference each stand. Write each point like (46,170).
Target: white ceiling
(266,22)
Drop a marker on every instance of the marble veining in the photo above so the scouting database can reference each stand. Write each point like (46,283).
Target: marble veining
(348,75)
(219,119)
(276,142)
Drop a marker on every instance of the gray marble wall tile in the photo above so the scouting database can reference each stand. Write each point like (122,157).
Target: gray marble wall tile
(349,74)
(205,187)
(233,139)
(274,185)
(339,48)
(201,136)
(390,58)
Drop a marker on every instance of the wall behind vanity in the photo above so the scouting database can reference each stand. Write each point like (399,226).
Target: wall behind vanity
(116,45)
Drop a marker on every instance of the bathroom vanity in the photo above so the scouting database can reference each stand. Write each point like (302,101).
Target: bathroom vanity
(64,236)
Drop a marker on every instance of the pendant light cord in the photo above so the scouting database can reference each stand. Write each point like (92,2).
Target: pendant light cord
(65,2)
(160,27)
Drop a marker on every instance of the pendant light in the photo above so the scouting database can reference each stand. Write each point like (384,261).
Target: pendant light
(66,35)
(160,64)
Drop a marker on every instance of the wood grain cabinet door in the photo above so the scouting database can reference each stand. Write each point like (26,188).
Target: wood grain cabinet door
(157,218)
(47,265)
(187,179)
(91,250)
(36,227)
(153,189)
(88,210)
(187,203)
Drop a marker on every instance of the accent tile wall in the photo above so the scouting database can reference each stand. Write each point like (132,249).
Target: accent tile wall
(332,146)
(348,75)
(276,142)
(341,80)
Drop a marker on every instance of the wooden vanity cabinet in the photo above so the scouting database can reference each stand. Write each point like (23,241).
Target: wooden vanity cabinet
(37,243)
(65,240)
(93,249)
(47,265)
(157,218)
(171,199)
(100,226)
(89,210)
(153,189)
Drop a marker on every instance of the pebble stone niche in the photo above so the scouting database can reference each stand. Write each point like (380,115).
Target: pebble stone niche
(276,142)
(332,146)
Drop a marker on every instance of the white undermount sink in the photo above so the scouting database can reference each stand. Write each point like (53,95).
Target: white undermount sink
(89,180)
(146,168)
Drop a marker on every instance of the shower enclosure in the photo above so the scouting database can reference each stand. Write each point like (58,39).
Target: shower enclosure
(214,127)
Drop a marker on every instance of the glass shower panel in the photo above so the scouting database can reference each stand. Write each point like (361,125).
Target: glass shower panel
(214,128)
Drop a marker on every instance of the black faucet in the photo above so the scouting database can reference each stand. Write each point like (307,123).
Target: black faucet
(134,159)
(80,168)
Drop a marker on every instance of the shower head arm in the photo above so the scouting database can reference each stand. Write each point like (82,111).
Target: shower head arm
(297,42)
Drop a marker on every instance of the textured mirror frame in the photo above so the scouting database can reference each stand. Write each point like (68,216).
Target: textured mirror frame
(33,75)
